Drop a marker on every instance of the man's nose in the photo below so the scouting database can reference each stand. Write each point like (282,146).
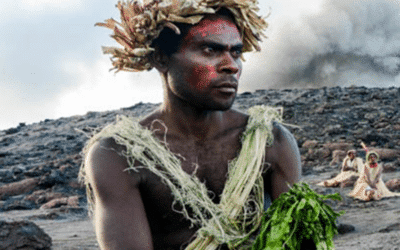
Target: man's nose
(229,64)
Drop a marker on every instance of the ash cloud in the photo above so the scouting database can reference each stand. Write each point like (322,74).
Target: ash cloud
(343,43)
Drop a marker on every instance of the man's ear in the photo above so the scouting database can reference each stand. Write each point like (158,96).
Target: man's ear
(160,61)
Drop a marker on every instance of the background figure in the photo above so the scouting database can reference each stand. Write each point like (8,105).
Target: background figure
(352,166)
(370,185)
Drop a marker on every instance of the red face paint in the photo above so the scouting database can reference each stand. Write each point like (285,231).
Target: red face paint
(200,72)
(210,27)
(207,67)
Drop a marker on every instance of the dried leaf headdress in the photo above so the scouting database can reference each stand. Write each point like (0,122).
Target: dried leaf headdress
(141,23)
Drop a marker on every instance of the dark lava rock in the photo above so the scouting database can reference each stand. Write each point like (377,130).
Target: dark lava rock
(48,216)
(393,185)
(345,228)
(18,205)
(393,227)
(52,178)
(23,235)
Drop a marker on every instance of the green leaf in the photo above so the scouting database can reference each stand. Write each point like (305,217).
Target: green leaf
(301,205)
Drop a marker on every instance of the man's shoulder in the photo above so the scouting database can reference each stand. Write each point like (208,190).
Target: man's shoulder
(150,118)
(279,131)
(284,144)
(236,118)
(106,157)
(282,133)
(104,149)
(107,143)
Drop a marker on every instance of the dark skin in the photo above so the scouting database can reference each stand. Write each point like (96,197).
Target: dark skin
(133,210)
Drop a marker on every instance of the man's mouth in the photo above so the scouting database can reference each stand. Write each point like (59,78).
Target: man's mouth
(227,87)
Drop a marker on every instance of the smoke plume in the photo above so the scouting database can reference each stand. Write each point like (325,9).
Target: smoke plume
(343,43)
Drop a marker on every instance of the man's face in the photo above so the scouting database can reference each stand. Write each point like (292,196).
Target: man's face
(205,71)
(351,155)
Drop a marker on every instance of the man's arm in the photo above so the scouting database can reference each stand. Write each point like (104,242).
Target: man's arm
(284,156)
(286,168)
(119,215)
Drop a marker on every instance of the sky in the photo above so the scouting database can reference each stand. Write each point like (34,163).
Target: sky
(51,64)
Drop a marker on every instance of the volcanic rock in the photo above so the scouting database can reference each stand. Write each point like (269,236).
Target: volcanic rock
(72,201)
(23,235)
(345,228)
(18,187)
(393,227)
(393,185)
(337,157)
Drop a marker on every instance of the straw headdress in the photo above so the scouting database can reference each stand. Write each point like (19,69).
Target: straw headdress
(142,22)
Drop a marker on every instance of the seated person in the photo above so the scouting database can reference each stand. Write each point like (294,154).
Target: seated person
(351,167)
(370,185)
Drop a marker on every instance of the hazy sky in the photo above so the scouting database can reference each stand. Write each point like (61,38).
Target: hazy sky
(51,63)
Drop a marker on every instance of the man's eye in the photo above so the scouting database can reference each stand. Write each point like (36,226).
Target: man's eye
(208,49)
(237,53)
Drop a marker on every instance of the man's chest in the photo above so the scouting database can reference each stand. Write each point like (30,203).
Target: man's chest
(207,160)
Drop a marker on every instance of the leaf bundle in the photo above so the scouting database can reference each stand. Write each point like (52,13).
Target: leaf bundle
(297,216)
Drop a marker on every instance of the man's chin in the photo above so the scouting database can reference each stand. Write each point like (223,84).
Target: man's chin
(221,106)
(214,105)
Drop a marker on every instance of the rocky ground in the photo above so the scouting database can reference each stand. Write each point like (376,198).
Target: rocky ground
(39,162)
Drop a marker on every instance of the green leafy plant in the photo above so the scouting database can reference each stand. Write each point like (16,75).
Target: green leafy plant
(296,216)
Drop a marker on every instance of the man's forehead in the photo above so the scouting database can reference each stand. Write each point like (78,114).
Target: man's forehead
(218,25)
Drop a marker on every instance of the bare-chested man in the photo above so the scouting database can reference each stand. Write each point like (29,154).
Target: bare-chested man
(133,210)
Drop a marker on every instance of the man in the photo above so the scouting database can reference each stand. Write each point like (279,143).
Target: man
(135,209)
(352,166)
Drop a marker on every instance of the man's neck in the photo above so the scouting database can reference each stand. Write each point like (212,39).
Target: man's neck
(192,122)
